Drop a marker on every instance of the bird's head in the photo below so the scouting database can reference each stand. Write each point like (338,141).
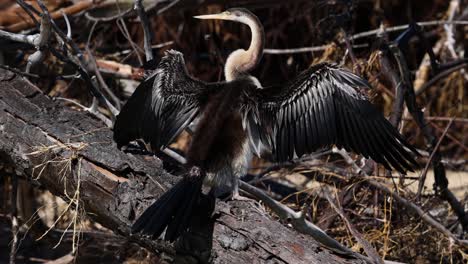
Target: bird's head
(241,15)
(242,61)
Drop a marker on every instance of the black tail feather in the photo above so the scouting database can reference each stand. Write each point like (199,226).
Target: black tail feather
(172,210)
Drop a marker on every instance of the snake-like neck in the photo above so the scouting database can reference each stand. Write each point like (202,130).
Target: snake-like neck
(241,61)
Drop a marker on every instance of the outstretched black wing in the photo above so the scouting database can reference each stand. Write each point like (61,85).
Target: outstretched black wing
(318,109)
(161,106)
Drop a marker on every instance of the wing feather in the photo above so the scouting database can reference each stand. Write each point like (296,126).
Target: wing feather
(163,105)
(322,107)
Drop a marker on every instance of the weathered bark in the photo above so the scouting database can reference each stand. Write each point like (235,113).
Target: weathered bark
(61,149)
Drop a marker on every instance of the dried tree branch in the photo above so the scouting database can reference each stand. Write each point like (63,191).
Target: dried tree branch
(399,103)
(410,205)
(422,177)
(25,74)
(27,39)
(441,182)
(450,41)
(123,28)
(146,24)
(77,64)
(39,41)
(370,251)
(404,27)
(115,186)
(102,83)
(417,210)
(73,9)
(14,218)
(295,50)
(29,10)
(463,63)
(297,220)
(42,41)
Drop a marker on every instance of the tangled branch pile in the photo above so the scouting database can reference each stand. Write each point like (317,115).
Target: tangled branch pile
(420,83)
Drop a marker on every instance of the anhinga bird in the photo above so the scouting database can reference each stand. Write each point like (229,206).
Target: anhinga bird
(319,108)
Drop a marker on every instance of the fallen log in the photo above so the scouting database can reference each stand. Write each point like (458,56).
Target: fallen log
(70,152)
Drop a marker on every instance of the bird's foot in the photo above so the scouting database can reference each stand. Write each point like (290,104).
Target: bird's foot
(238,197)
(235,196)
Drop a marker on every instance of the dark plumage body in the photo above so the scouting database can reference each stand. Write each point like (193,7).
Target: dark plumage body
(218,141)
(219,135)
(319,108)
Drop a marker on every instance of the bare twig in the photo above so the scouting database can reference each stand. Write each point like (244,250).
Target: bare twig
(73,9)
(91,31)
(123,28)
(145,23)
(448,135)
(347,158)
(441,181)
(40,43)
(168,6)
(440,178)
(306,49)
(14,218)
(67,22)
(417,210)
(295,50)
(30,75)
(27,39)
(413,207)
(447,119)
(398,104)
(176,156)
(297,220)
(78,65)
(84,74)
(349,49)
(63,260)
(92,109)
(119,70)
(110,18)
(370,251)
(422,177)
(450,41)
(102,83)
(447,71)
(29,10)
(404,27)
(59,32)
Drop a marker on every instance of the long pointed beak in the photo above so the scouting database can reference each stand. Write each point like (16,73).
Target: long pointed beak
(212,16)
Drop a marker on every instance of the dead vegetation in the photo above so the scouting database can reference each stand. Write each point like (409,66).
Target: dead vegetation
(100,52)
